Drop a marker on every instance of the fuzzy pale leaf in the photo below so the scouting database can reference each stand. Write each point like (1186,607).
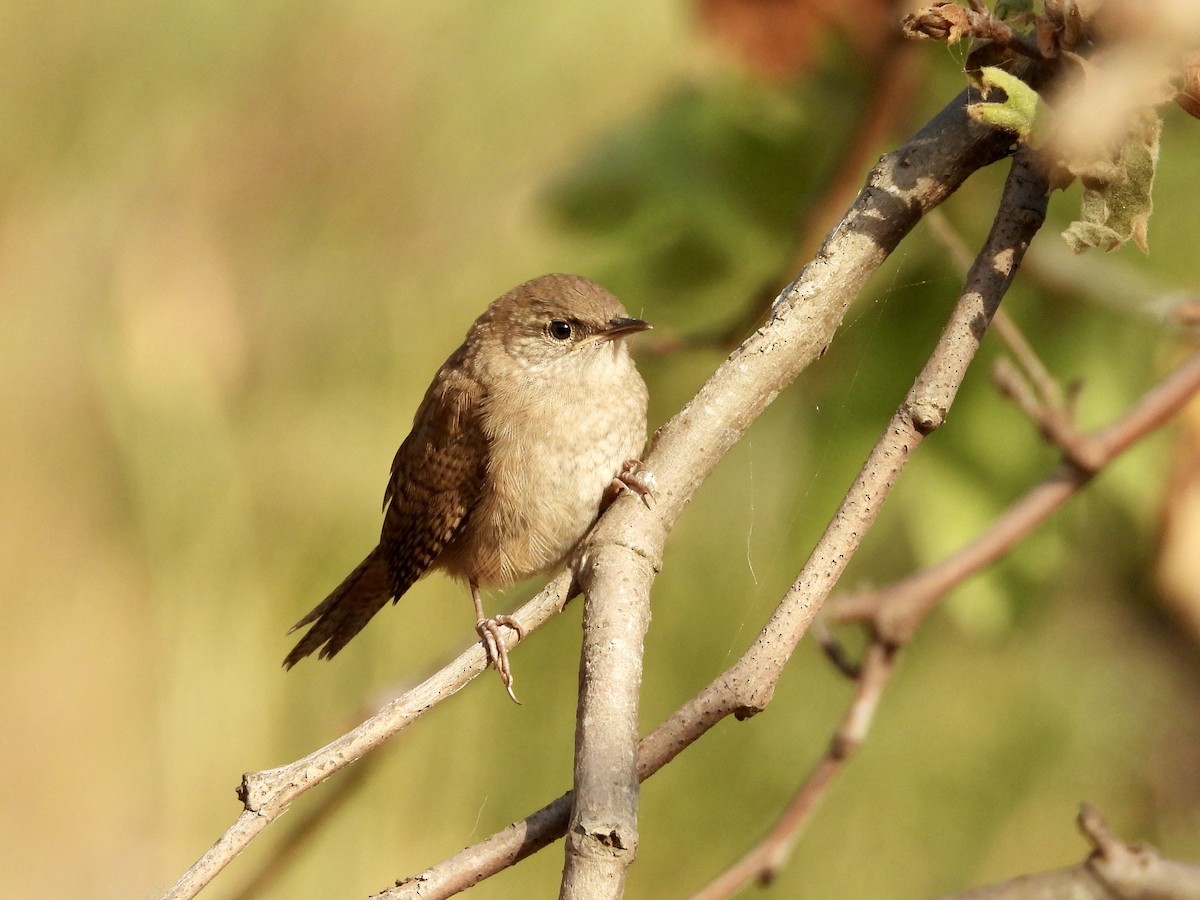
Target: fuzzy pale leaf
(1116,204)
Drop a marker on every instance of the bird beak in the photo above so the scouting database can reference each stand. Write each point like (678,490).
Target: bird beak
(621,326)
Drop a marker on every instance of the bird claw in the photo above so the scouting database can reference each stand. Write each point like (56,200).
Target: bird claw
(635,477)
(495,648)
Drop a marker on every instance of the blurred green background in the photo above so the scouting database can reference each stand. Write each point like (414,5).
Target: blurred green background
(236,241)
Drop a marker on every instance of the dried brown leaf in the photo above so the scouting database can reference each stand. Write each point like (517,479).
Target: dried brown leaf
(780,39)
(947,22)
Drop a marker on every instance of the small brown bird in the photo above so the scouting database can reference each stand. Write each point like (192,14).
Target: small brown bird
(526,431)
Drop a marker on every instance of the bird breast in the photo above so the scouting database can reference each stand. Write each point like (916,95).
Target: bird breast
(557,436)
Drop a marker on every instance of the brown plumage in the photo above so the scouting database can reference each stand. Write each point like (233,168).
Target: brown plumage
(520,435)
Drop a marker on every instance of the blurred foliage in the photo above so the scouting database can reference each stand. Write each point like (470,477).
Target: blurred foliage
(703,193)
(236,242)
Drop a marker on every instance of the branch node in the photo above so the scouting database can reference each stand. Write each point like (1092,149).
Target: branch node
(745,711)
(841,746)
(926,416)
(1051,410)
(608,838)
(1102,838)
(834,651)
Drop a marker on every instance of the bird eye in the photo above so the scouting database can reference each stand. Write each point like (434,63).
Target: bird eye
(559,329)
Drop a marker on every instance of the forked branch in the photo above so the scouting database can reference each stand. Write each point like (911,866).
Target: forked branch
(747,687)
(1021,212)
(904,185)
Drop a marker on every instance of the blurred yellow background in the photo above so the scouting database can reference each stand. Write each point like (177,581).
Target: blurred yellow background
(237,240)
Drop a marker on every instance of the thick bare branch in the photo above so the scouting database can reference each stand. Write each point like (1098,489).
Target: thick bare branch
(602,837)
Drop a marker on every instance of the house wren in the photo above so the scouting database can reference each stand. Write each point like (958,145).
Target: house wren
(526,431)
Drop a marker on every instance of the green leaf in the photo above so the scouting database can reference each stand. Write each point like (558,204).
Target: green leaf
(1016,113)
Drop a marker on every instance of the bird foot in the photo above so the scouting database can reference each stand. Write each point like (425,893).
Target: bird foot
(635,477)
(495,648)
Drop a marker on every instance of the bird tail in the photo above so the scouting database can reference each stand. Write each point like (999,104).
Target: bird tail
(345,612)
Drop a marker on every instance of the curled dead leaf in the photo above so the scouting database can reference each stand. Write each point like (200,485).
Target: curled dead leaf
(947,22)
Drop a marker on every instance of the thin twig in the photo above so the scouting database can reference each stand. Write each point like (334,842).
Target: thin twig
(1053,416)
(301,832)
(1048,389)
(764,861)
(833,649)
(1003,325)
(1106,282)
(1115,870)
(265,795)
(1029,384)
(303,828)
(1021,212)
(897,610)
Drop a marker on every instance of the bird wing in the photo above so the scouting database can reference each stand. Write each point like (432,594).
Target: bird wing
(436,479)
(437,476)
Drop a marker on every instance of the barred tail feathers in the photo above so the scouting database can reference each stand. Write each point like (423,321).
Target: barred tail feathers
(345,612)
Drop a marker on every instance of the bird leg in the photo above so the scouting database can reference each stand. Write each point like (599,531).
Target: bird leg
(635,477)
(488,630)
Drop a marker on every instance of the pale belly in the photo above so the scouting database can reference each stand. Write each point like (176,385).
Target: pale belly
(549,470)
